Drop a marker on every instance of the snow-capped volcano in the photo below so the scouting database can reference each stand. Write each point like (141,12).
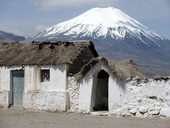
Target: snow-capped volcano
(115,35)
(100,23)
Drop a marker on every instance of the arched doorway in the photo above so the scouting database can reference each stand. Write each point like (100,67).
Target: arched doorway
(100,91)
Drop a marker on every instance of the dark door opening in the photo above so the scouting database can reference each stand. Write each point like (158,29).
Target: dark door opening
(101,92)
(17,87)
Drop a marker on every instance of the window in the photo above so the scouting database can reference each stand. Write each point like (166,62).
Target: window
(45,75)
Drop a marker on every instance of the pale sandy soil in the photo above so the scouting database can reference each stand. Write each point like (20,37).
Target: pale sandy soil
(14,118)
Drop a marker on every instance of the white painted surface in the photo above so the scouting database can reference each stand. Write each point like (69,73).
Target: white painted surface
(51,95)
(116,92)
(32,78)
(85,94)
(58,78)
(4,98)
(46,100)
(86,99)
(5,79)
(165,112)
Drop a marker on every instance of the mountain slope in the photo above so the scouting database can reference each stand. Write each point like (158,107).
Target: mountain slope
(116,35)
(10,37)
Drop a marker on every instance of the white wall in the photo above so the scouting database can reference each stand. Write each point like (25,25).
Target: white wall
(58,79)
(51,95)
(48,95)
(117,90)
(86,99)
(85,94)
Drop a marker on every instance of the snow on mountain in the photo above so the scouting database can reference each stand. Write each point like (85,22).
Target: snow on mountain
(117,36)
(7,36)
(100,23)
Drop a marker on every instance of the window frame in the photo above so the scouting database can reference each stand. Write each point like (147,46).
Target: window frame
(44,75)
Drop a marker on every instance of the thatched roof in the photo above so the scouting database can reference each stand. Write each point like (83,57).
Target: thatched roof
(121,70)
(42,53)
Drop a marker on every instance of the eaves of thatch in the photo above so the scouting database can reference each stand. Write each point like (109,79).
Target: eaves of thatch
(42,53)
(120,70)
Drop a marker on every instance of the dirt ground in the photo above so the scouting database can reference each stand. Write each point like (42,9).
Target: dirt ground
(17,118)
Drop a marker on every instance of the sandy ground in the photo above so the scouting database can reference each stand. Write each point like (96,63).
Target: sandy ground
(15,118)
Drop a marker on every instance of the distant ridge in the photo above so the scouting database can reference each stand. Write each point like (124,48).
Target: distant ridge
(10,37)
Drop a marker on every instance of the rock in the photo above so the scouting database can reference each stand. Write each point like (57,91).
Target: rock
(152,97)
(165,78)
(138,99)
(138,114)
(165,112)
(143,109)
(146,115)
(155,112)
(100,113)
(117,112)
(126,113)
(157,77)
(146,81)
(133,111)
(129,107)
(156,108)
(129,79)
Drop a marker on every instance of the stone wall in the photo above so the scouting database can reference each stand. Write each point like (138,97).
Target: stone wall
(145,98)
(73,89)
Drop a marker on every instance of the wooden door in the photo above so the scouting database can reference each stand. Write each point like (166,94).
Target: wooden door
(17,87)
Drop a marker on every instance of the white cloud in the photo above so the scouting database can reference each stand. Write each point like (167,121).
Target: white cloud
(40,28)
(51,4)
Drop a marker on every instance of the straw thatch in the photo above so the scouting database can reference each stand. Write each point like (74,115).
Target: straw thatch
(120,70)
(42,53)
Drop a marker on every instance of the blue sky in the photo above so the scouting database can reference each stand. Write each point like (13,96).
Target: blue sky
(28,17)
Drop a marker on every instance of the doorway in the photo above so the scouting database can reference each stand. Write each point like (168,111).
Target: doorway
(101,92)
(17,87)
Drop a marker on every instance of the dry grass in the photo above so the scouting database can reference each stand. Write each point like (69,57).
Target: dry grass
(121,70)
(42,53)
